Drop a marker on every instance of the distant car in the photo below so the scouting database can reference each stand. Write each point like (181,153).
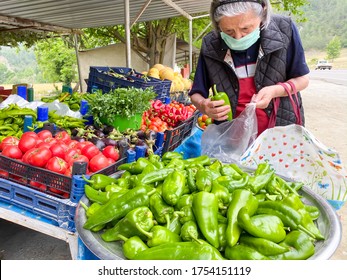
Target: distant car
(323,64)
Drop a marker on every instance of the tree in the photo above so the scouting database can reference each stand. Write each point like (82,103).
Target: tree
(5,74)
(57,60)
(334,48)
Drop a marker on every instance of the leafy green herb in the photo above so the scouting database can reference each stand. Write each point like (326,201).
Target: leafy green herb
(124,102)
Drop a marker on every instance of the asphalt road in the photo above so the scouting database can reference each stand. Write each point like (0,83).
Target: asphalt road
(337,77)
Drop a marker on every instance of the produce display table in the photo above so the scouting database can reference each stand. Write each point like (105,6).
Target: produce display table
(41,224)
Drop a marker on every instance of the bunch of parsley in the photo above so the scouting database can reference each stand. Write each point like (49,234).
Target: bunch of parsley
(123,102)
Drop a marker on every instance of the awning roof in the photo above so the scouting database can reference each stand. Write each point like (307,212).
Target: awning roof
(64,15)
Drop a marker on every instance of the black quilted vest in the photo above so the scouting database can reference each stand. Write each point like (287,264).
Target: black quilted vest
(270,69)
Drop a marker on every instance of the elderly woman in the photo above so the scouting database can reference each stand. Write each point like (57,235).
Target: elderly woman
(251,55)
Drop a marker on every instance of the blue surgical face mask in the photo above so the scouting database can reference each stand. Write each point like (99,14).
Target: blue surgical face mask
(243,43)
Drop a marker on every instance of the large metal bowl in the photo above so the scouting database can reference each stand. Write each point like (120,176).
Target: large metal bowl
(328,223)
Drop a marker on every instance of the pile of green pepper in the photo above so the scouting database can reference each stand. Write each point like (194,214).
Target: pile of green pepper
(171,208)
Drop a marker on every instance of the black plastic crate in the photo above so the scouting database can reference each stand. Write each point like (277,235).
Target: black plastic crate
(101,78)
(42,179)
(174,137)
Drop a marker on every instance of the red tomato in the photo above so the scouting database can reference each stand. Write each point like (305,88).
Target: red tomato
(59,149)
(57,164)
(69,153)
(90,151)
(111,161)
(4,173)
(9,141)
(54,190)
(31,133)
(50,140)
(63,136)
(98,162)
(38,156)
(27,142)
(12,152)
(68,171)
(43,134)
(73,144)
(111,152)
(77,158)
(81,145)
(43,144)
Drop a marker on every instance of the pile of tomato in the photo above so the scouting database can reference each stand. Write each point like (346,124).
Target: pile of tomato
(204,121)
(57,153)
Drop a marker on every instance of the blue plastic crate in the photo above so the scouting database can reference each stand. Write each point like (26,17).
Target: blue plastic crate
(60,211)
(109,78)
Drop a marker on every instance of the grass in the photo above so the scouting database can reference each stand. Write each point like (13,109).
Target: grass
(338,63)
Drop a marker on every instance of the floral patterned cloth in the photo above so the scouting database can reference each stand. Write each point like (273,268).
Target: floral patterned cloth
(295,153)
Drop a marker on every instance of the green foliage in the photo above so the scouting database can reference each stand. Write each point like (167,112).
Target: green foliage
(5,74)
(124,102)
(334,48)
(325,20)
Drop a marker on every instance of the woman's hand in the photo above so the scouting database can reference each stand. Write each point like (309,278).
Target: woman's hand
(215,109)
(265,95)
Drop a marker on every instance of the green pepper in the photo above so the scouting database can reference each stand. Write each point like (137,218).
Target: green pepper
(258,182)
(96,195)
(190,250)
(114,189)
(123,182)
(191,182)
(216,166)
(289,216)
(222,219)
(231,169)
(262,245)
(90,211)
(242,252)
(313,211)
(203,160)
(156,160)
(153,177)
(174,187)
(299,244)
(239,199)
(262,225)
(176,163)
(175,224)
(127,226)
(159,235)
(162,212)
(233,184)
(168,156)
(132,246)
(184,200)
(136,167)
(189,231)
(203,180)
(205,209)
(222,96)
(222,228)
(100,181)
(186,214)
(262,168)
(222,194)
(308,223)
(117,208)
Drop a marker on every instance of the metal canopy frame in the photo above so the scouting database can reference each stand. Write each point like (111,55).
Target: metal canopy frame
(68,16)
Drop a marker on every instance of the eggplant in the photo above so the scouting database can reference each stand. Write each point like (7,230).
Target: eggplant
(109,142)
(98,142)
(99,133)
(141,134)
(74,131)
(78,138)
(107,129)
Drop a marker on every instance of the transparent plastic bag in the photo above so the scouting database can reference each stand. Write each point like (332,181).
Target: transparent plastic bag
(229,140)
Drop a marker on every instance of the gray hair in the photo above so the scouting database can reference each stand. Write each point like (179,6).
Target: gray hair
(263,10)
